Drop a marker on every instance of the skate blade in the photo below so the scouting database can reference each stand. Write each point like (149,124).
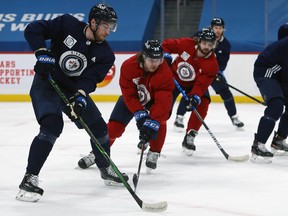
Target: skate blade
(27,196)
(148,170)
(113,183)
(178,129)
(277,152)
(259,159)
(187,152)
(239,128)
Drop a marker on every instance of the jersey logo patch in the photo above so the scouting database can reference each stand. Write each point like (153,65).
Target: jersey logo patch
(70,41)
(143,94)
(72,63)
(185,71)
(185,56)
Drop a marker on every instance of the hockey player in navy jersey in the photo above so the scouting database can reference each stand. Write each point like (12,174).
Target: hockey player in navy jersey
(222,52)
(78,59)
(271,76)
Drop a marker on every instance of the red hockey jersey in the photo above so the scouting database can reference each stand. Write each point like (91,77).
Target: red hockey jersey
(188,69)
(140,88)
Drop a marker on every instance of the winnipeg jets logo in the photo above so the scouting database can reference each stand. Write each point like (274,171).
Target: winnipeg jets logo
(69,41)
(72,63)
(143,94)
(186,72)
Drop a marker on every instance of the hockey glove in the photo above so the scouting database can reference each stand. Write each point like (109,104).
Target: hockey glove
(168,58)
(220,76)
(192,102)
(140,117)
(149,130)
(78,103)
(45,63)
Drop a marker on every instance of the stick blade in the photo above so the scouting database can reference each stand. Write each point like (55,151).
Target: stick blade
(135,181)
(239,158)
(155,207)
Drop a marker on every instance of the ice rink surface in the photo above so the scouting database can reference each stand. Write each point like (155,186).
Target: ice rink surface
(205,184)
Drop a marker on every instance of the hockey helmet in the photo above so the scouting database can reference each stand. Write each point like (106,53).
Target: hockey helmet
(283,31)
(105,13)
(152,49)
(207,34)
(217,21)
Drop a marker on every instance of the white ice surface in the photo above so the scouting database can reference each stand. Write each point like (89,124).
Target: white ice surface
(205,184)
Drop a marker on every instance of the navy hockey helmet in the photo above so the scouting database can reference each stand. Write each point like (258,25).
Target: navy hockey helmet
(152,49)
(283,31)
(105,13)
(217,21)
(207,34)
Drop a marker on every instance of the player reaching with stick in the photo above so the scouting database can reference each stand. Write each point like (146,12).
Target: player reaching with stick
(194,69)
(78,59)
(146,84)
(222,52)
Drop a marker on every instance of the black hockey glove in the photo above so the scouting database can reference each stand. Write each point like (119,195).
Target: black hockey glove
(149,130)
(78,103)
(220,76)
(140,117)
(192,102)
(45,63)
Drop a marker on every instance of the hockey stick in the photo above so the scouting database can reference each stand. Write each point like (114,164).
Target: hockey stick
(136,176)
(253,98)
(152,207)
(226,155)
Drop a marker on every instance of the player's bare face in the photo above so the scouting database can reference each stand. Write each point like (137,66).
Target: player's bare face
(103,31)
(218,30)
(205,47)
(151,65)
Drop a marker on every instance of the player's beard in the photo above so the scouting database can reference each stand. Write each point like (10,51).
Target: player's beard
(205,51)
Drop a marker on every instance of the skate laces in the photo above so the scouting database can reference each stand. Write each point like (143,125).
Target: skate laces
(179,119)
(190,139)
(280,143)
(153,156)
(236,120)
(111,172)
(33,179)
(89,159)
(262,147)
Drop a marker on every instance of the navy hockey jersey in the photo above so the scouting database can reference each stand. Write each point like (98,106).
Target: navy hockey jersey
(80,63)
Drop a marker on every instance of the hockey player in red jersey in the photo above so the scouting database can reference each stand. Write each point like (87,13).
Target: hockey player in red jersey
(194,69)
(146,83)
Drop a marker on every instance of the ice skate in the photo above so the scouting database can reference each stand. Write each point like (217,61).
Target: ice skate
(151,161)
(259,153)
(29,190)
(279,146)
(188,143)
(178,124)
(87,161)
(111,178)
(235,121)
